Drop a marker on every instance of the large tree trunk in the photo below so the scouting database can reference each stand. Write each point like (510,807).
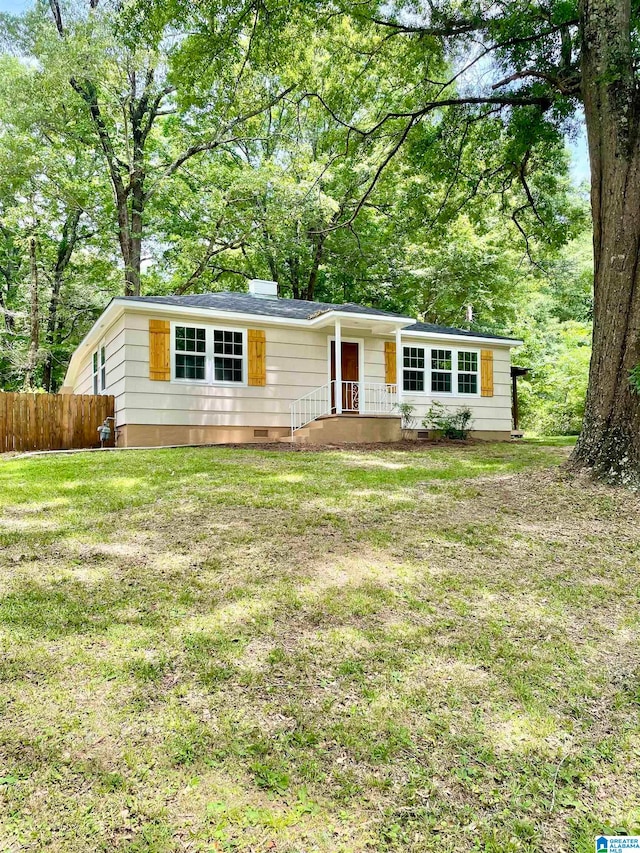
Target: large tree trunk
(610,439)
(130,251)
(136,182)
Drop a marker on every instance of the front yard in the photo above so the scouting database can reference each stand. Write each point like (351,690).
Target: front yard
(218,649)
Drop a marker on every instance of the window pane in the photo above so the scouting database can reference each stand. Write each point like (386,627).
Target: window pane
(413,357)
(95,362)
(227,369)
(413,380)
(468,362)
(103,378)
(441,359)
(190,366)
(227,343)
(102,355)
(441,382)
(95,383)
(467,383)
(190,339)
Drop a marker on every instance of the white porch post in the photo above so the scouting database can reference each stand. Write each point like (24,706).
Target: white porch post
(399,365)
(338,386)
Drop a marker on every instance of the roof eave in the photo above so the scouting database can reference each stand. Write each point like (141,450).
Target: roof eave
(110,314)
(475,339)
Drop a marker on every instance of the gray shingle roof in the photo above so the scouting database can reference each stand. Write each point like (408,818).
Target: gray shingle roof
(294,309)
(449,330)
(245,303)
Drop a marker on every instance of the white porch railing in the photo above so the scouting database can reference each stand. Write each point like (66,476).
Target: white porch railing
(365,398)
(378,399)
(313,405)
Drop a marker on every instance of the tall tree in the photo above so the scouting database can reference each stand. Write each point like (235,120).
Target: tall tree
(535,65)
(129,86)
(52,207)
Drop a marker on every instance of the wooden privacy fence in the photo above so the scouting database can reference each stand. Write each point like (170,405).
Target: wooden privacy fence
(53,421)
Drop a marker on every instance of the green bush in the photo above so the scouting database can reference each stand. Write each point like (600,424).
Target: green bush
(408,415)
(552,396)
(455,425)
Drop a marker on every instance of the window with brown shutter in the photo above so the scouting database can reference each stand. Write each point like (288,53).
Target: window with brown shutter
(390,362)
(159,350)
(257,346)
(486,373)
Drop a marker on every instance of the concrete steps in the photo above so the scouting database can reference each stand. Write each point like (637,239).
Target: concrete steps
(347,429)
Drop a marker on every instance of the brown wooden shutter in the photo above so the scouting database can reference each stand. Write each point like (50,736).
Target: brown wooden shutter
(390,362)
(159,350)
(257,357)
(486,373)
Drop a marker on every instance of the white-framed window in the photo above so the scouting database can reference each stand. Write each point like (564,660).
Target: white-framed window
(190,352)
(413,369)
(228,355)
(95,372)
(103,367)
(439,370)
(467,372)
(208,355)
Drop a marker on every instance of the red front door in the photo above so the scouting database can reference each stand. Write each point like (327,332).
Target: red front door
(350,376)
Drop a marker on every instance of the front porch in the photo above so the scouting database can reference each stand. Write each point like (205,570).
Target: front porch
(349,390)
(365,399)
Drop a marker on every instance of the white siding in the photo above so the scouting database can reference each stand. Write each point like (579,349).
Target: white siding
(297,362)
(115,363)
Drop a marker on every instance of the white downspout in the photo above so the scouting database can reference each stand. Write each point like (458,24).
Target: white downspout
(338,386)
(399,365)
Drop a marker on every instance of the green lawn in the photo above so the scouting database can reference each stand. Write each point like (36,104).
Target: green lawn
(218,649)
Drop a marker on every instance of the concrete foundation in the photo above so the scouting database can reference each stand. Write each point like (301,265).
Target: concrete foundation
(144,435)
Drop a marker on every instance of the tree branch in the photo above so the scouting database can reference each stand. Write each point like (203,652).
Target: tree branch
(212,144)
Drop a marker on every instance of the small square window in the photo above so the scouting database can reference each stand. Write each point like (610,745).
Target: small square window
(467,383)
(414,358)
(468,362)
(413,380)
(227,343)
(441,359)
(190,366)
(227,369)
(190,339)
(441,382)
